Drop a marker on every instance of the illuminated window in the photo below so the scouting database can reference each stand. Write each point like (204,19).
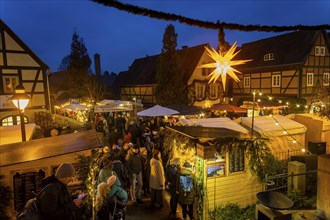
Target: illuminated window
(319,50)
(326,79)
(200,91)
(13,120)
(247,81)
(276,80)
(213,91)
(10,83)
(268,57)
(310,79)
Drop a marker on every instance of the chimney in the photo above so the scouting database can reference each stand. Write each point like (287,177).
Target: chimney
(97,63)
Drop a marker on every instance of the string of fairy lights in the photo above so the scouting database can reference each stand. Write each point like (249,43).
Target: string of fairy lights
(220,26)
(285,132)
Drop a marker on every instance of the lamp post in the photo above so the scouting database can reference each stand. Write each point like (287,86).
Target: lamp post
(135,110)
(253,104)
(253,100)
(20,99)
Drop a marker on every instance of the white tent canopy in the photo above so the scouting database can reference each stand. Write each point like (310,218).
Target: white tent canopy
(76,107)
(271,126)
(215,123)
(282,131)
(157,110)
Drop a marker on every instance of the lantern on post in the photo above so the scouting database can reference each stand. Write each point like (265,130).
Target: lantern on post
(20,99)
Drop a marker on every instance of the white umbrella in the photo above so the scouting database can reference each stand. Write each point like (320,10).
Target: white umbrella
(157,110)
(76,107)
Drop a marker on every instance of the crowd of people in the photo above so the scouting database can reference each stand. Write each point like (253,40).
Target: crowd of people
(136,158)
(132,168)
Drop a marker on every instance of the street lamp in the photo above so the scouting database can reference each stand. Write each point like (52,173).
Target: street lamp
(21,100)
(135,110)
(253,104)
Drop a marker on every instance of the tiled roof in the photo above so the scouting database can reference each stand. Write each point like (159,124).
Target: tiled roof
(289,50)
(143,70)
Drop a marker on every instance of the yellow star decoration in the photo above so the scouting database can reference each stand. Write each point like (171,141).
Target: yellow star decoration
(223,65)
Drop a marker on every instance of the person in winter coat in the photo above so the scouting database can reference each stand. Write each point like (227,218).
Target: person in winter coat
(145,157)
(55,199)
(120,170)
(107,171)
(106,192)
(171,174)
(186,199)
(134,167)
(157,180)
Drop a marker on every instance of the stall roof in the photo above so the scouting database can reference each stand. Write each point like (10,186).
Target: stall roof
(224,122)
(13,134)
(48,147)
(266,125)
(204,132)
(326,122)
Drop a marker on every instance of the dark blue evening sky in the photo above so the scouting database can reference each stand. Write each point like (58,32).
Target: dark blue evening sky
(46,26)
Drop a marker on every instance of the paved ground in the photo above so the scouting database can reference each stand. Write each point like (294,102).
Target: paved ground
(144,212)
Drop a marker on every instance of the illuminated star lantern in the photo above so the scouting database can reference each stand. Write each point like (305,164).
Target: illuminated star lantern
(223,65)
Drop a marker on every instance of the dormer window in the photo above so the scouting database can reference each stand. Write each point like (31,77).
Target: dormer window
(269,56)
(320,51)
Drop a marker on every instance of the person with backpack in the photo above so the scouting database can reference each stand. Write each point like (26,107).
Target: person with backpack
(186,190)
(55,199)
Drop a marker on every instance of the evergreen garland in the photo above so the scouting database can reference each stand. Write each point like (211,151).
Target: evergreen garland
(200,186)
(260,157)
(205,24)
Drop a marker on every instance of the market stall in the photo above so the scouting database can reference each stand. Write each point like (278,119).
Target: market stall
(219,174)
(285,134)
(24,165)
(318,128)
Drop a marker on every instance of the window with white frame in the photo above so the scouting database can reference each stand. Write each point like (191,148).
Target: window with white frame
(319,50)
(310,79)
(276,80)
(213,91)
(247,81)
(200,91)
(268,57)
(10,83)
(326,79)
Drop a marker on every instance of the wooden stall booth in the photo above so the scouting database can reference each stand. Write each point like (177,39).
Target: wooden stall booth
(25,164)
(221,178)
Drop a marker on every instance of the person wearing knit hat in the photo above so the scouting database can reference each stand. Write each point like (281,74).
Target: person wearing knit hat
(55,199)
(187,165)
(65,170)
(186,190)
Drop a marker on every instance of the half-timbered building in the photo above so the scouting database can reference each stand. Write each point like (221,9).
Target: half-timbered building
(292,66)
(20,66)
(140,80)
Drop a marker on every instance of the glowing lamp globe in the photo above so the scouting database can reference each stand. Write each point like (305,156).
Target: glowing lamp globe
(20,99)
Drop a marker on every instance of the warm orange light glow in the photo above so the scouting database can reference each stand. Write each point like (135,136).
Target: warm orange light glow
(223,65)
